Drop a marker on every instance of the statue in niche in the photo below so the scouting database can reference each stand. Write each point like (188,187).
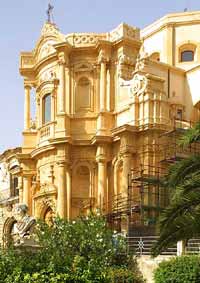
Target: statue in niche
(24,227)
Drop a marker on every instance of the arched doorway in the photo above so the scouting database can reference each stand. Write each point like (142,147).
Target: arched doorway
(9,231)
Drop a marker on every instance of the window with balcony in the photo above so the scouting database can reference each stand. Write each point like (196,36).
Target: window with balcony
(47,109)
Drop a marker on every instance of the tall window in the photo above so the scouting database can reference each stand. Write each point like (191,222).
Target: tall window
(187,56)
(47,108)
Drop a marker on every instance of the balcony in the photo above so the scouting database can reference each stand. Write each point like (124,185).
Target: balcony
(46,133)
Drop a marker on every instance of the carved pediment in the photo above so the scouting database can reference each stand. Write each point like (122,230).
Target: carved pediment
(50,35)
(46,50)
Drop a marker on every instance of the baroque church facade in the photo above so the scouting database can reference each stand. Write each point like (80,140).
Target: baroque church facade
(106,104)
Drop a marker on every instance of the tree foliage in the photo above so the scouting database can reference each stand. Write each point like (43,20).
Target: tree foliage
(84,250)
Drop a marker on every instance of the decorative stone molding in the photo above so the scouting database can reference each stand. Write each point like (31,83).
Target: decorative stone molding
(83,67)
(27,60)
(140,61)
(126,60)
(87,39)
(49,75)
(103,56)
(50,29)
(46,50)
(126,66)
(124,31)
(139,84)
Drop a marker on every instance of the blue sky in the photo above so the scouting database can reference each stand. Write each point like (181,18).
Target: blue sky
(20,25)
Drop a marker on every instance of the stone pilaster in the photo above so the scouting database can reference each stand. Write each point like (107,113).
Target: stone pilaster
(126,171)
(27,191)
(69,191)
(38,112)
(64,183)
(61,93)
(27,111)
(103,85)
(62,190)
(20,188)
(102,177)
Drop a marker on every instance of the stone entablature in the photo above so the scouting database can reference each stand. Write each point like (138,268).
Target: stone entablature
(50,36)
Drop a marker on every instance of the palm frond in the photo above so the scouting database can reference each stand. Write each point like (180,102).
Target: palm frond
(191,135)
(179,171)
(178,221)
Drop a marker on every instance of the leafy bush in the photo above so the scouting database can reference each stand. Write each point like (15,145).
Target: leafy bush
(182,269)
(124,275)
(81,251)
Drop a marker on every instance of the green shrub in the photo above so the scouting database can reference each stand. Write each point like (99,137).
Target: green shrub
(125,275)
(184,269)
(81,251)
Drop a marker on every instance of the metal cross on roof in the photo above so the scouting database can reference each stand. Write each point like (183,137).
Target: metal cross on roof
(50,13)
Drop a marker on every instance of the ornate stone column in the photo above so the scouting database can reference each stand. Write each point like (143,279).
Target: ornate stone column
(20,188)
(27,112)
(103,84)
(126,171)
(61,94)
(62,189)
(102,176)
(69,193)
(38,111)
(26,190)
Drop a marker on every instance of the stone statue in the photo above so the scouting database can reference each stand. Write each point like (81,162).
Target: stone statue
(24,226)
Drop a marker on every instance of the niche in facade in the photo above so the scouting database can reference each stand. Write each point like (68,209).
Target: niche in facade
(81,182)
(83,99)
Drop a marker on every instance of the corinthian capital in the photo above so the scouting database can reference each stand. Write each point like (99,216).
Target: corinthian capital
(103,57)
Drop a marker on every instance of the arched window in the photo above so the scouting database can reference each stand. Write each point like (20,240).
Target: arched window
(47,108)
(83,95)
(187,56)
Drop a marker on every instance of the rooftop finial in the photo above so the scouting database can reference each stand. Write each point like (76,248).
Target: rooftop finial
(50,13)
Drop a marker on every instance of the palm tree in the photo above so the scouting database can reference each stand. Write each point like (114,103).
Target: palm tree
(181,219)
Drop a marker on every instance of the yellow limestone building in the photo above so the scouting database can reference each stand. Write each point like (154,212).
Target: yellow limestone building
(102,103)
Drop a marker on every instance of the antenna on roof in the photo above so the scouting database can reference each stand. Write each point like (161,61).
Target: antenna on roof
(49,12)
